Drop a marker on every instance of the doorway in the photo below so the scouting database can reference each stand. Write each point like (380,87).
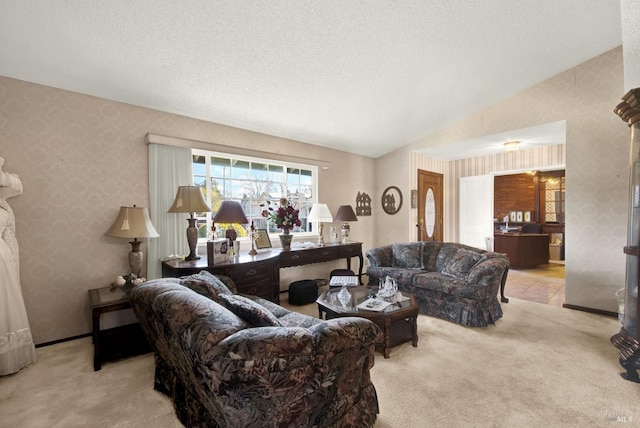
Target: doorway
(540,195)
(430,206)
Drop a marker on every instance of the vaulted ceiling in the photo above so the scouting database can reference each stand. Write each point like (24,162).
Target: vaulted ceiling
(365,77)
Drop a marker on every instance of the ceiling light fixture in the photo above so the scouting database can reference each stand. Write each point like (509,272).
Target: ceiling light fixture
(511,146)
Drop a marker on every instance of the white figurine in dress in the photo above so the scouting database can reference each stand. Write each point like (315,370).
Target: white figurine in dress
(16,342)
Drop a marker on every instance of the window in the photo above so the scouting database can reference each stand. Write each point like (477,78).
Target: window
(252,181)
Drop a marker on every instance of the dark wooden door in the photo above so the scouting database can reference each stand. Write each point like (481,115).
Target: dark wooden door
(430,206)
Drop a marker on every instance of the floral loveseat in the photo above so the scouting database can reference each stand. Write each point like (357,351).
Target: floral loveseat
(228,360)
(451,281)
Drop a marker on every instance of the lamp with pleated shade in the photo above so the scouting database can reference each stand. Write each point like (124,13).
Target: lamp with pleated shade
(133,222)
(230,212)
(189,199)
(345,213)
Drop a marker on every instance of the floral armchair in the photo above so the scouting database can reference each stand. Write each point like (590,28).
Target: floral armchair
(239,361)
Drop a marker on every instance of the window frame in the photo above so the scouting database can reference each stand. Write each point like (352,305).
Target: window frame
(285,165)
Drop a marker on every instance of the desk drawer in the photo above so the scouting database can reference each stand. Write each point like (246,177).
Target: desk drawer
(261,288)
(325,254)
(350,250)
(249,273)
(295,258)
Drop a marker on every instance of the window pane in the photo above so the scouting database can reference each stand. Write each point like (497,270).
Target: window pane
(220,167)
(259,171)
(199,166)
(240,170)
(276,173)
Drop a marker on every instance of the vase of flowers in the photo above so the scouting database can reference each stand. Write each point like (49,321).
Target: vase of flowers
(284,216)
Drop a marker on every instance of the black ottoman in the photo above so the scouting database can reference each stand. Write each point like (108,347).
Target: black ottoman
(303,292)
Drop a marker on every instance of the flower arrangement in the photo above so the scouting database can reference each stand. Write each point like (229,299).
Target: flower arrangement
(284,216)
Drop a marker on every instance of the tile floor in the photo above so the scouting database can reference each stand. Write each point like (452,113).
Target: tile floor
(543,284)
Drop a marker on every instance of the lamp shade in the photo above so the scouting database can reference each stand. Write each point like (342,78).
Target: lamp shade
(321,213)
(230,212)
(189,199)
(345,213)
(132,222)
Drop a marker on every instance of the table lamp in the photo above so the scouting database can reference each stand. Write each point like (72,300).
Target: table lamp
(133,222)
(189,199)
(345,213)
(320,213)
(230,212)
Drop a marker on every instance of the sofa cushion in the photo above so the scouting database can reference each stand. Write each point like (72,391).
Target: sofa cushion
(425,283)
(250,311)
(401,275)
(430,250)
(461,263)
(407,255)
(206,284)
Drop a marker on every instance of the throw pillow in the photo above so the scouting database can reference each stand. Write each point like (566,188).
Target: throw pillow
(250,311)
(206,284)
(461,263)
(408,255)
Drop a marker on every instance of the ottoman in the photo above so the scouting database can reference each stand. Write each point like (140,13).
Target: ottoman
(303,292)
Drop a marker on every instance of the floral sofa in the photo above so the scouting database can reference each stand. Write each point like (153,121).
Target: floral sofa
(229,360)
(451,281)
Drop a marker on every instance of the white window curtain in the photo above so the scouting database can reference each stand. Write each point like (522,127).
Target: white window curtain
(169,167)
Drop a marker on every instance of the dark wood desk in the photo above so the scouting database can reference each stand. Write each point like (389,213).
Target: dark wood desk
(523,249)
(259,275)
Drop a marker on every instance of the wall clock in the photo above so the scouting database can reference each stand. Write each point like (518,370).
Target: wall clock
(391,200)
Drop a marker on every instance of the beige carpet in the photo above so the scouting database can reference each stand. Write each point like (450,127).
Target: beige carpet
(539,366)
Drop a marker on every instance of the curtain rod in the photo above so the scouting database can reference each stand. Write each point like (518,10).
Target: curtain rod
(205,145)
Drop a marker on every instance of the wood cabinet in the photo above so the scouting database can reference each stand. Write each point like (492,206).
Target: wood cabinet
(523,250)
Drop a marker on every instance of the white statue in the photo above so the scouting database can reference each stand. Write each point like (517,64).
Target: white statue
(16,342)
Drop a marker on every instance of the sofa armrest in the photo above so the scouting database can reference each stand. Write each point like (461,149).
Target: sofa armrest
(265,343)
(381,256)
(344,332)
(489,273)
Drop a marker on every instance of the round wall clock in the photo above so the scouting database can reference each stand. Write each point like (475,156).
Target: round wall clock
(391,200)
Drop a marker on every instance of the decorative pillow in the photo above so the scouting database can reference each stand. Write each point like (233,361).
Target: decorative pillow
(250,311)
(461,263)
(430,251)
(206,284)
(408,255)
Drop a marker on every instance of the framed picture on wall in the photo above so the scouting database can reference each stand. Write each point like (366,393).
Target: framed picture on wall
(262,239)
(512,216)
(519,216)
(527,216)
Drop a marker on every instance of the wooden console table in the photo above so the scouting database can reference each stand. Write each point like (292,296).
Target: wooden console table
(259,275)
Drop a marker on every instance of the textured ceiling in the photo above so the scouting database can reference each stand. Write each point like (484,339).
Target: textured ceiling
(361,76)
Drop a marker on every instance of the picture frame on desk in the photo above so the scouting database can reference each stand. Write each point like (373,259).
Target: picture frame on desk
(262,239)
(217,251)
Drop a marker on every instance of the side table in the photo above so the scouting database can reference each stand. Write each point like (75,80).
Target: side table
(115,342)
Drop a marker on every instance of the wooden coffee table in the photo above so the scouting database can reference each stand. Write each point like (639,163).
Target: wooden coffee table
(397,321)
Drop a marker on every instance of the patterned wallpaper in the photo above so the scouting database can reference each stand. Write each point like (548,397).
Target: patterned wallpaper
(80,158)
(596,160)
